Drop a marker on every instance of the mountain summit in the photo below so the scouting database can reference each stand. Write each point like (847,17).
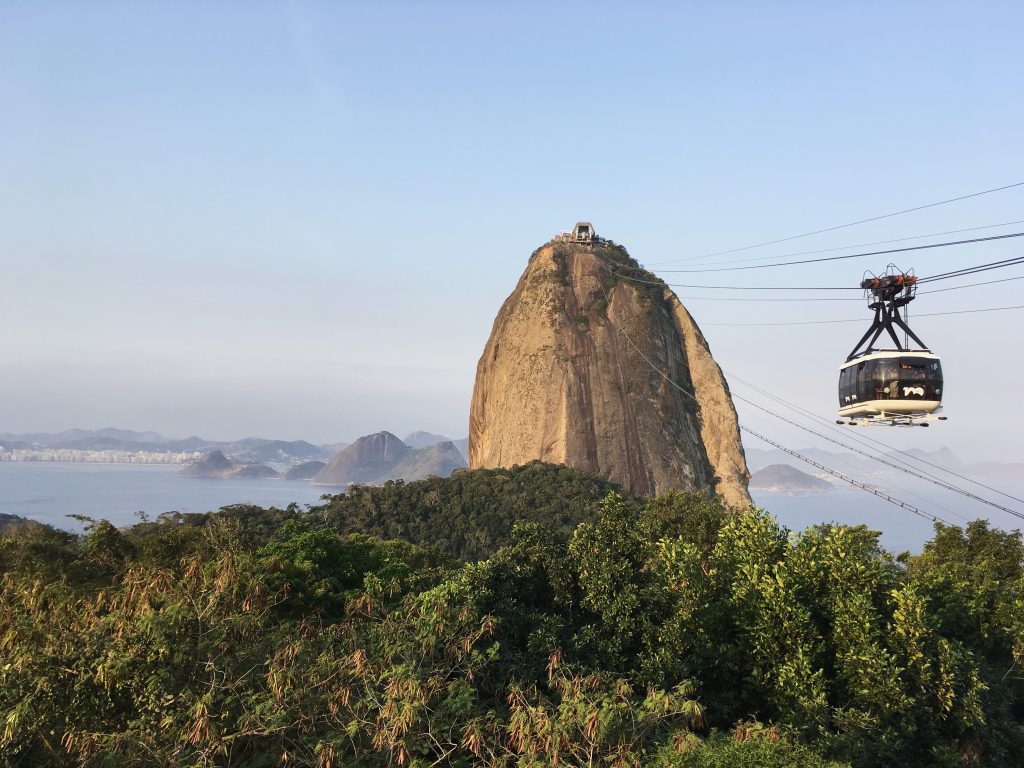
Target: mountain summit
(593,362)
(382,456)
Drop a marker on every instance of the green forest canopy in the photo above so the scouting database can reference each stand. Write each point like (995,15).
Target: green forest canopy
(525,617)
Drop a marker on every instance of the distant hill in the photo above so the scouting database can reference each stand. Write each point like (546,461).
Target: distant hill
(429,439)
(439,460)
(382,456)
(68,437)
(305,471)
(260,449)
(105,443)
(250,449)
(424,439)
(252,471)
(759,458)
(281,453)
(367,460)
(331,449)
(917,459)
(216,465)
(782,478)
(943,457)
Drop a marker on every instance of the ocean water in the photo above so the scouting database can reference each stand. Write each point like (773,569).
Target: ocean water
(49,492)
(900,528)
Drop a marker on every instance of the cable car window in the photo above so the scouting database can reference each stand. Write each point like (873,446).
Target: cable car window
(919,363)
(846,381)
(886,370)
(920,369)
(887,381)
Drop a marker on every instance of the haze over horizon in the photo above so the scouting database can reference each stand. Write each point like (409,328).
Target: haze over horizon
(299,221)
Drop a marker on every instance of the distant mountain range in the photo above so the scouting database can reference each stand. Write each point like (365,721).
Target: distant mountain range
(70,437)
(939,462)
(248,449)
(372,459)
(284,453)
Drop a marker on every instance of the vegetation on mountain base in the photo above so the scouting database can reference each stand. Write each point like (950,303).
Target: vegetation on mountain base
(666,632)
(472,513)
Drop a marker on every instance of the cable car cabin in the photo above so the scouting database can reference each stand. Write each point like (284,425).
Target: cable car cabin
(898,387)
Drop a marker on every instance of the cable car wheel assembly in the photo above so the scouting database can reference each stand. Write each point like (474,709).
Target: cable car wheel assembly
(897,387)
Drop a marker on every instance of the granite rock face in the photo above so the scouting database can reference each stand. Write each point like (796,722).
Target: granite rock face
(594,363)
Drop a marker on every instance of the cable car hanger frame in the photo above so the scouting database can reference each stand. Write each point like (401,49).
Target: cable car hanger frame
(890,291)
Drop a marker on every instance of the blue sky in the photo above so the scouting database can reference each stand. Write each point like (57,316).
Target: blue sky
(298,220)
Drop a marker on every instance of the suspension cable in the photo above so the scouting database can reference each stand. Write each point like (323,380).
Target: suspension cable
(615,271)
(847,247)
(860,320)
(863,486)
(861,221)
(971,285)
(856,483)
(832,298)
(866,440)
(973,270)
(886,462)
(850,255)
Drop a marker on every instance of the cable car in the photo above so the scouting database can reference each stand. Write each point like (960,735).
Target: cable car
(891,387)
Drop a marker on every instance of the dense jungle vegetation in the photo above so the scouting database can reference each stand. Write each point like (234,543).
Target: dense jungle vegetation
(527,617)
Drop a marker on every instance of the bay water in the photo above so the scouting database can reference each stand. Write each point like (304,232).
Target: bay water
(50,492)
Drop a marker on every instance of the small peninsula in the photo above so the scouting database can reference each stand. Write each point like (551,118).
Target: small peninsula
(782,478)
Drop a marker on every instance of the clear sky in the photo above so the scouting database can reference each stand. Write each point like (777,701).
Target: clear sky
(298,220)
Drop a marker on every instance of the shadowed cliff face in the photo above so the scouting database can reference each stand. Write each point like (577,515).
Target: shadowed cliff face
(564,379)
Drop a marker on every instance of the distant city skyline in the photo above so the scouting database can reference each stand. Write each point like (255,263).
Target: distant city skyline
(299,220)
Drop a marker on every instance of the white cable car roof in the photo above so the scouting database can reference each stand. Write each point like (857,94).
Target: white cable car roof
(889,354)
